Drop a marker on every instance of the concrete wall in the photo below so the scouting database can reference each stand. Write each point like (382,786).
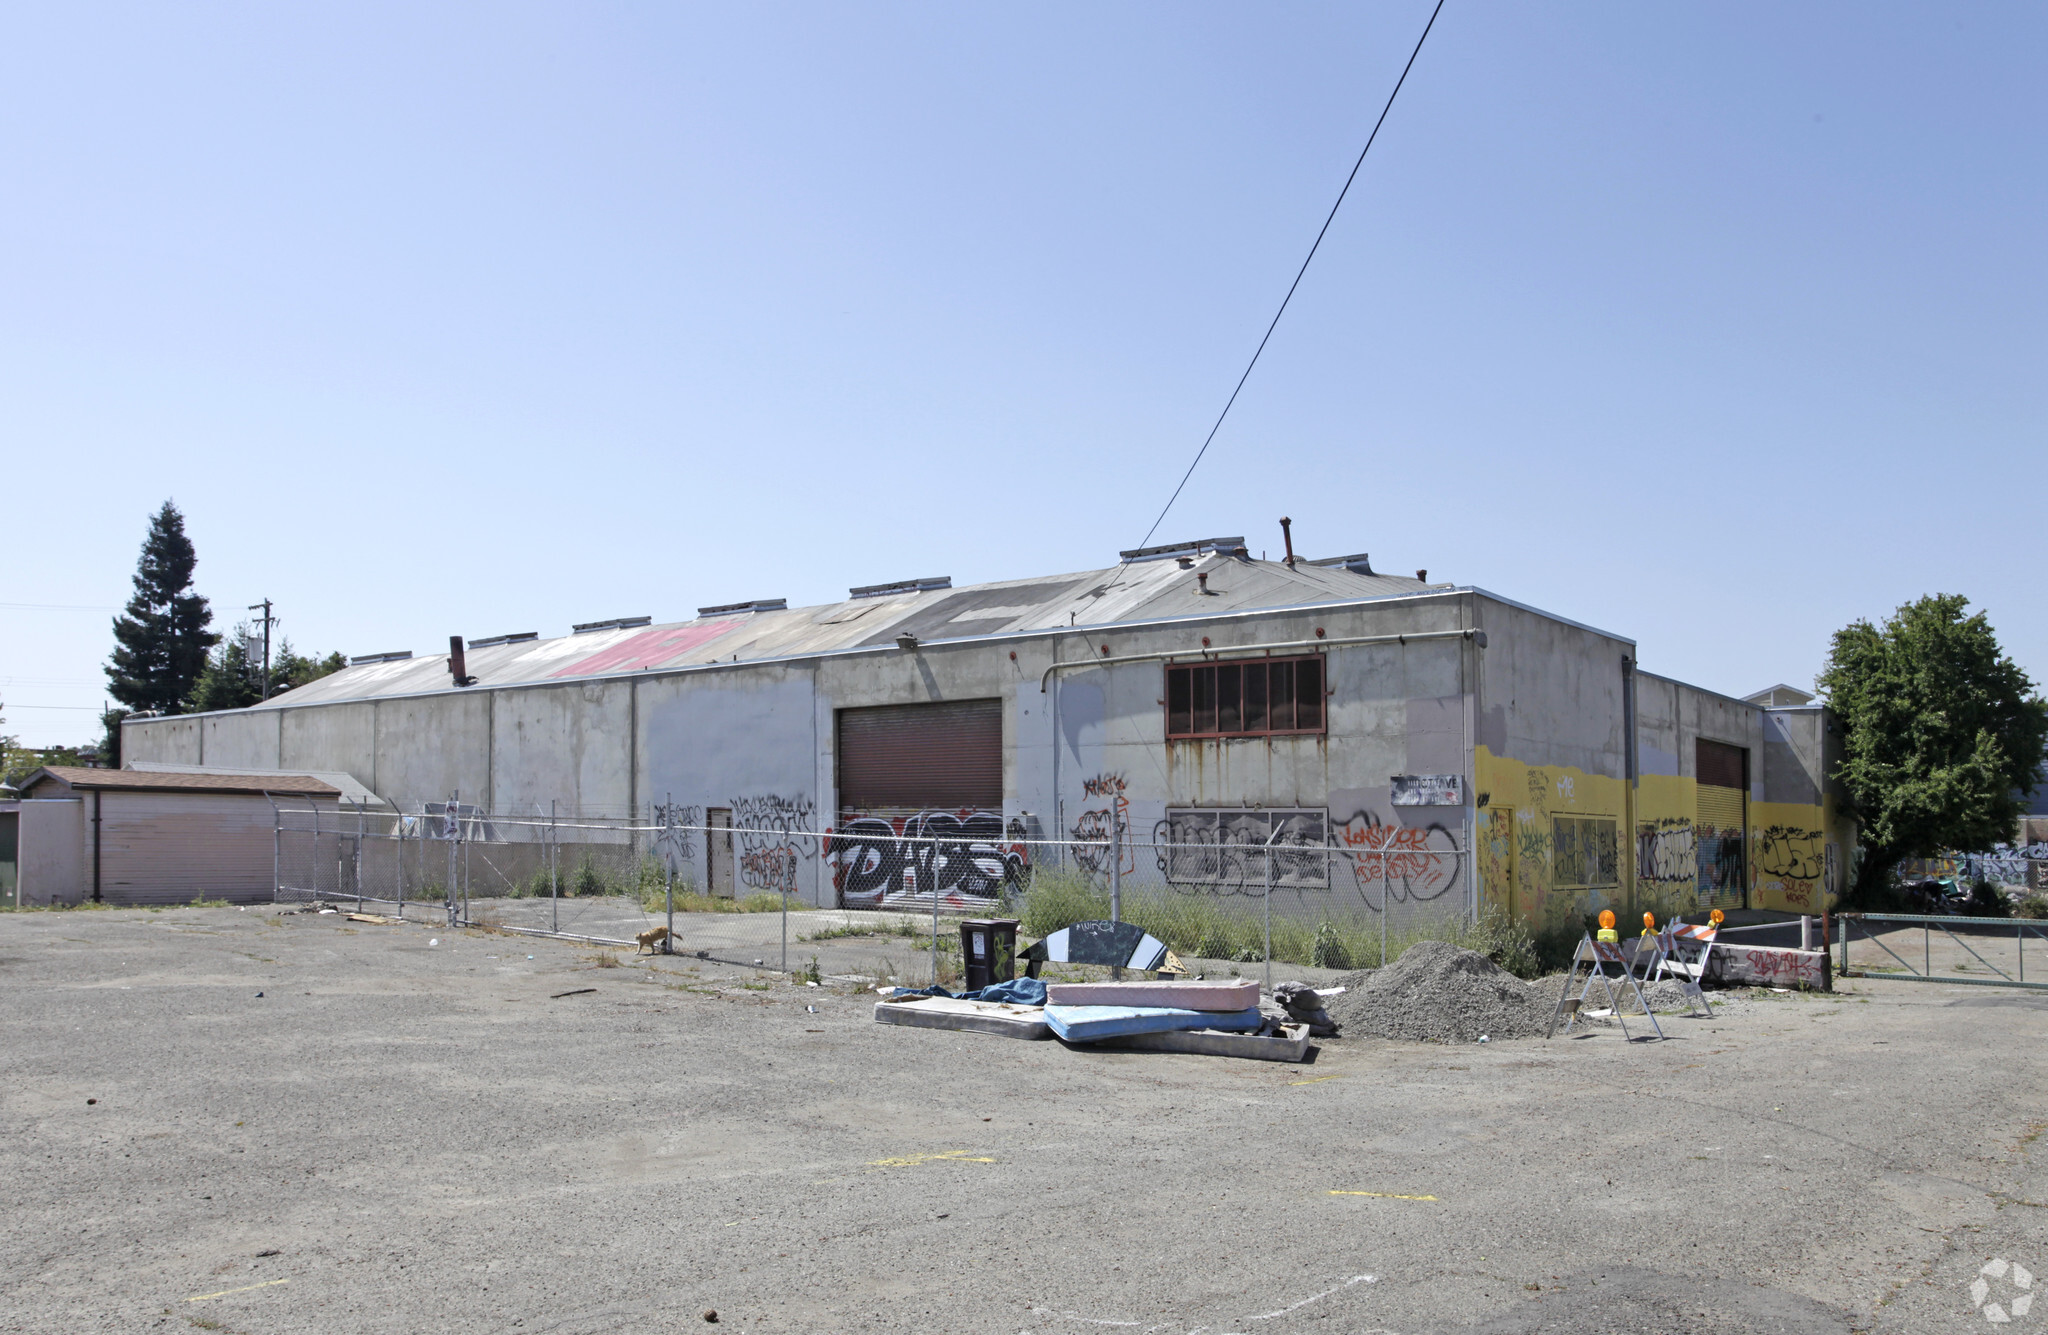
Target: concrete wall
(54,867)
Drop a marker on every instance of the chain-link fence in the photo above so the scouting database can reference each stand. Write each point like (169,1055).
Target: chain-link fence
(882,897)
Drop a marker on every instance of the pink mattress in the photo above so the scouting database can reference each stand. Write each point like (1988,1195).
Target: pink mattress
(1234,995)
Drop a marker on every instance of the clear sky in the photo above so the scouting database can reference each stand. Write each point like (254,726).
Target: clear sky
(1715,325)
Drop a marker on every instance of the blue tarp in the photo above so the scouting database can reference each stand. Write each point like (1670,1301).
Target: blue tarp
(1018,992)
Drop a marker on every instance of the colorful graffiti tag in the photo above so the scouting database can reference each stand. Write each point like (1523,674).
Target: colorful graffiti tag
(1399,862)
(964,857)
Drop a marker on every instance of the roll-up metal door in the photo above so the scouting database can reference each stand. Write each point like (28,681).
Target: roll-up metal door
(1721,824)
(946,756)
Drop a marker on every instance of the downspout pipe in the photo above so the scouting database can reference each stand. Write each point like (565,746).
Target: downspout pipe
(97,795)
(1473,633)
(1631,775)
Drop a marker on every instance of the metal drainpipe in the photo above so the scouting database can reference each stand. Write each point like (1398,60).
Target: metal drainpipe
(96,796)
(1628,792)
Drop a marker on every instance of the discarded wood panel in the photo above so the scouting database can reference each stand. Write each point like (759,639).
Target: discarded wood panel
(1084,1024)
(973,1017)
(1229,995)
(1289,1045)
(377,918)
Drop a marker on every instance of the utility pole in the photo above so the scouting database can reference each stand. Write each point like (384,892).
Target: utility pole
(267,619)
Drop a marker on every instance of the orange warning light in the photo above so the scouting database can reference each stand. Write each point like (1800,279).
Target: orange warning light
(1607,917)
(1649,922)
(1716,917)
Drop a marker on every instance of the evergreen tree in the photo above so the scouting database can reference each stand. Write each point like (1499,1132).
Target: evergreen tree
(161,639)
(1943,733)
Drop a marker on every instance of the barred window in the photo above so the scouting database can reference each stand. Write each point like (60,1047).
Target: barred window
(1583,854)
(1254,697)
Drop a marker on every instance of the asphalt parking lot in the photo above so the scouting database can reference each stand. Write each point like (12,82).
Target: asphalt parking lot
(399,1135)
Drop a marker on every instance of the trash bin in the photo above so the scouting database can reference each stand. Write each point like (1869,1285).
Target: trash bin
(988,951)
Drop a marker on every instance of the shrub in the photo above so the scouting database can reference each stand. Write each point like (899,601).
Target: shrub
(1329,950)
(1987,901)
(2034,906)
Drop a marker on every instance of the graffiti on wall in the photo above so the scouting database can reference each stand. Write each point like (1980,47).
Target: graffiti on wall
(676,843)
(1496,854)
(771,831)
(964,857)
(1792,862)
(1210,849)
(1719,853)
(1666,855)
(1414,863)
(1104,808)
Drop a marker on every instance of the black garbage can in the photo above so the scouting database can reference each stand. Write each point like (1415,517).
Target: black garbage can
(988,951)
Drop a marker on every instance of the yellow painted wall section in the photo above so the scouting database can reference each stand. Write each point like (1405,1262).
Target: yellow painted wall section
(1536,823)
(1544,832)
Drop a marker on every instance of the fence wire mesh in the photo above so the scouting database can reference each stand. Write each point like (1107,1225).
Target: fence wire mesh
(883,898)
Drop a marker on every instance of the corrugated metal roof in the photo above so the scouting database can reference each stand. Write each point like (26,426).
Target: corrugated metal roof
(82,779)
(1143,591)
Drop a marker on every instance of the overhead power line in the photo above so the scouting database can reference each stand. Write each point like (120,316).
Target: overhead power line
(1298,273)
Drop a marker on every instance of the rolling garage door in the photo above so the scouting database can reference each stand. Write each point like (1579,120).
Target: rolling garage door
(932,757)
(1720,824)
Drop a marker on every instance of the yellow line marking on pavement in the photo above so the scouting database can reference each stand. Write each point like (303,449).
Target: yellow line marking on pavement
(1384,1195)
(1317,1081)
(913,1160)
(202,1297)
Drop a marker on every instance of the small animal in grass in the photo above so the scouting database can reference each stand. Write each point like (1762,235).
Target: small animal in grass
(651,938)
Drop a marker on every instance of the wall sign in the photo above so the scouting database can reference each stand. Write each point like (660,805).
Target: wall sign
(1428,790)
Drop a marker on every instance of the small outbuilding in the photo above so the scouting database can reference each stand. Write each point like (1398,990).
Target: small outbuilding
(121,836)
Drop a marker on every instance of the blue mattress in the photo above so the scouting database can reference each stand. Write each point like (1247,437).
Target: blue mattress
(1082,1024)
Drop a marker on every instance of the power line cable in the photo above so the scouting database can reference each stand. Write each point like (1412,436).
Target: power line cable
(1297,276)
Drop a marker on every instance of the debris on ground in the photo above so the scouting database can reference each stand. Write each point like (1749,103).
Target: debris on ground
(1308,1005)
(1440,993)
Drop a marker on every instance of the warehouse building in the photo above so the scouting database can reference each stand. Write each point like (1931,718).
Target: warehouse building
(1477,751)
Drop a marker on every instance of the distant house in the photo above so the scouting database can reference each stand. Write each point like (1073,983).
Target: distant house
(1780,696)
(126,837)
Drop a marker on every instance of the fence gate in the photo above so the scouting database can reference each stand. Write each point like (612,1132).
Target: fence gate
(1894,956)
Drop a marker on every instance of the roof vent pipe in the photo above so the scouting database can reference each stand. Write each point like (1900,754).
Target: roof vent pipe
(458,667)
(1287,536)
(1422,575)
(1203,579)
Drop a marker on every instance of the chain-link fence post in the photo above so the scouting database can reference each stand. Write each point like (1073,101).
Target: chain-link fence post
(1268,907)
(554,852)
(1116,878)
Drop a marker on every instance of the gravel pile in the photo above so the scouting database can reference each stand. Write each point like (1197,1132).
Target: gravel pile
(1439,993)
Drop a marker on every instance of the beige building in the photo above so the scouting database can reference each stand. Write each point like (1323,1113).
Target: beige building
(131,837)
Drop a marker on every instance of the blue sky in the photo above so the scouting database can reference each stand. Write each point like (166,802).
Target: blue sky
(1715,325)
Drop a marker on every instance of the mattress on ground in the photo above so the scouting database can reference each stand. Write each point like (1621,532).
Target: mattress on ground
(1289,1044)
(1083,1024)
(1232,994)
(974,1017)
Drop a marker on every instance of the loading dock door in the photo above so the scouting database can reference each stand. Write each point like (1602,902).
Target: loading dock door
(1720,827)
(946,756)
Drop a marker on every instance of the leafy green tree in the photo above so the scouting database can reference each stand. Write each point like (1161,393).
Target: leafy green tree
(161,639)
(232,678)
(1943,732)
(109,750)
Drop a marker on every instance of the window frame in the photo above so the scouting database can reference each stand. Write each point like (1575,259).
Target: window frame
(1200,682)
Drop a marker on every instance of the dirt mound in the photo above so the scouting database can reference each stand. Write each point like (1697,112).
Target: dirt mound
(1440,993)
